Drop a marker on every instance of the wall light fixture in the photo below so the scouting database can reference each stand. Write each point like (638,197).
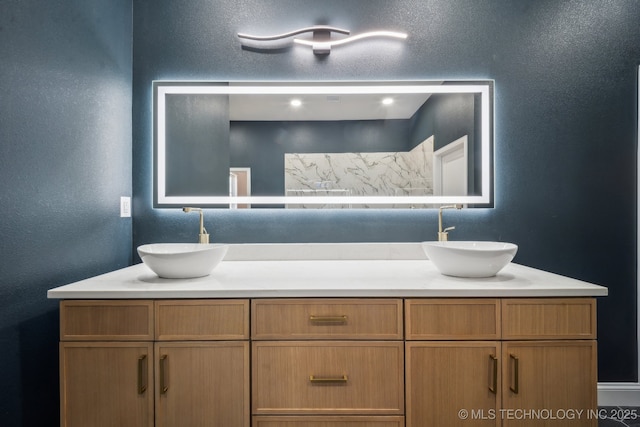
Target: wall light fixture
(321,41)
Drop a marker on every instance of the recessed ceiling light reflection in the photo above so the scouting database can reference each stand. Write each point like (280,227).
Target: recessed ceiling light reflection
(387,101)
(296,103)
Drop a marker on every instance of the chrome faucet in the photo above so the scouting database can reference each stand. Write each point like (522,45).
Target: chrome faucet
(443,235)
(203,237)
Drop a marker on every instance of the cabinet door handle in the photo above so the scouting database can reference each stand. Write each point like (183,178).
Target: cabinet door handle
(328,380)
(164,385)
(494,376)
(516,374)
(142,374)
(328,319)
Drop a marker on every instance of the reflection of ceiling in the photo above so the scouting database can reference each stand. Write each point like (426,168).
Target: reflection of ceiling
(324,107)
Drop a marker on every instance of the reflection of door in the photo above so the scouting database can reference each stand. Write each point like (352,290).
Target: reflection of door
(240,185)
(450,169)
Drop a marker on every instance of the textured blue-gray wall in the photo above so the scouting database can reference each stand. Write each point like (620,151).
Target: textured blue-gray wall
(566,113)
(65,160)
(565,138)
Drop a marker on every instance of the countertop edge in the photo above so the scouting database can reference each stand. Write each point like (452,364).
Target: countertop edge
(542,293)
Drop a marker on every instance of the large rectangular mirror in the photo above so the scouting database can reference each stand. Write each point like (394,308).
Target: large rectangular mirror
(323,144)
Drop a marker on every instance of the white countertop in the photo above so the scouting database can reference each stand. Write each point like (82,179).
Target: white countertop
(244,275)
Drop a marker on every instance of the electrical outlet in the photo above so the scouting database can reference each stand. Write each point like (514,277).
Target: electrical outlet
(125,207)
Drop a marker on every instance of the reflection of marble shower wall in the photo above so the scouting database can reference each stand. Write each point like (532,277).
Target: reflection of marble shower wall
(363,174)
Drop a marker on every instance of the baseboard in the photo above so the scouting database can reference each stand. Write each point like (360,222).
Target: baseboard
(618,394)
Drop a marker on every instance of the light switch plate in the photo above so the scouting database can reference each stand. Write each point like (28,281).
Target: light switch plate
(125,207)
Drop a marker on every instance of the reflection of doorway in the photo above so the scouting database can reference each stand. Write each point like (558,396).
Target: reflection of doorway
(239,186)
(450,169)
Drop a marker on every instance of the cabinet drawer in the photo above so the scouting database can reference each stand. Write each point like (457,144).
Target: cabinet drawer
(327,421)
(328,377)
(202,320)
(373,319)
(121,320)
(549,318)
(452,319)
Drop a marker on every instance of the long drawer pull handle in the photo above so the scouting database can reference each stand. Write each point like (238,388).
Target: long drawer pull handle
(328,319)
(142,374)
(328,380)
(494,376)
(516,374)
(164,386)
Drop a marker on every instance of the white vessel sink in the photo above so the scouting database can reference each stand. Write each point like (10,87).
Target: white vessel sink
(182,260)
(470,259)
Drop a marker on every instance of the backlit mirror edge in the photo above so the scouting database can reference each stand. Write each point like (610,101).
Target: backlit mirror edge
(161,88)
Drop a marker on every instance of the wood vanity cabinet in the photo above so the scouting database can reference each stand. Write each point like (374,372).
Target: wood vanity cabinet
(509,362)
(328,362)
(202,363)
(549,361)
(452,354)
(164,363)
(106,363)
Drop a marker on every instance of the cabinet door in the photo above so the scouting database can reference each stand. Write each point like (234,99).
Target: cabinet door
(106,384)
(452,383)
(549,383)
(202,384)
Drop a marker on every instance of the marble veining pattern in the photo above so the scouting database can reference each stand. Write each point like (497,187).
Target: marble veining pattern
(361,174)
